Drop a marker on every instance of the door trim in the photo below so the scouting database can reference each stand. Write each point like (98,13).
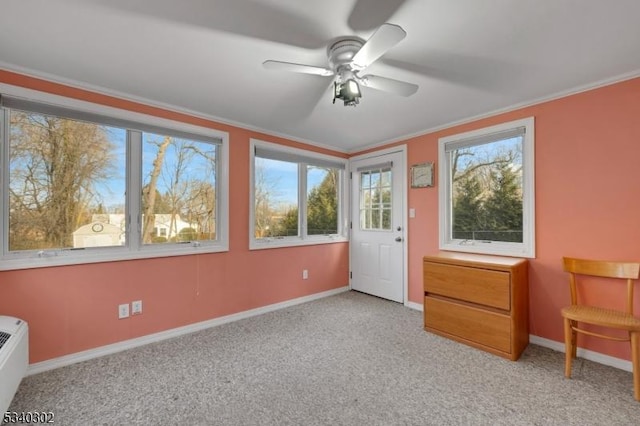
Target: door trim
(405,203)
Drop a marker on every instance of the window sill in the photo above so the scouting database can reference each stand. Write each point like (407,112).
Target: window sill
(117,254)
(284,242)
(492,248)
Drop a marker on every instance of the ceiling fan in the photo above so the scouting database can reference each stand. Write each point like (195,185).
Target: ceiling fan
(348,57)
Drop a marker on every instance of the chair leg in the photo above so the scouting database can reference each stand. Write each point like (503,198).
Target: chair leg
(574,340)
(635,363)
(569,345)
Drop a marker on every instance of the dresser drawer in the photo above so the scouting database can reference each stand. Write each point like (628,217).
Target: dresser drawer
(476,285)
(477,325)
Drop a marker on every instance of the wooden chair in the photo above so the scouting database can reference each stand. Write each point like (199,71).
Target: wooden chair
(618,319)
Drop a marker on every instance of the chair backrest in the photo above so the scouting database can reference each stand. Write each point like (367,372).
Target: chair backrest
(601,268)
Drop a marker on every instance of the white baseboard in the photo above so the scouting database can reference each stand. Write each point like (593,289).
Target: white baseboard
(583,353)
(414,305)
(559,346)
(63,361)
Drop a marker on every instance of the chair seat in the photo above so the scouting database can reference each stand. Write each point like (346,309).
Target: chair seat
(602,316)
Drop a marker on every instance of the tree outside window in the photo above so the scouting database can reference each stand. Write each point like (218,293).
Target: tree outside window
(487,191)
(178,189)
(62,174)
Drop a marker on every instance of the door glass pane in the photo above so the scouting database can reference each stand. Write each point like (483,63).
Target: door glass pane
(375,200)
(386,219)
(66,183)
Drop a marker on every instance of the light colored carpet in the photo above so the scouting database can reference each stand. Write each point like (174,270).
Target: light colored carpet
(349,359)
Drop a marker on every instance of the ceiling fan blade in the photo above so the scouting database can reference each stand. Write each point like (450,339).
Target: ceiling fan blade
(367,15)
(317,91)
(390,85)
(385,37)
(291,67)
(249,18)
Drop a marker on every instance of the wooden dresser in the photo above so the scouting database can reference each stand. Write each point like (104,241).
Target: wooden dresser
(478,300)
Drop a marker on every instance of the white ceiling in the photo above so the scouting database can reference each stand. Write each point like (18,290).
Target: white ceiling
(469,57)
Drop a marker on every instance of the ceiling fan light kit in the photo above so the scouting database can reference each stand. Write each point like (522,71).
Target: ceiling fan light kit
(347,57)
(346,87)
(348,92)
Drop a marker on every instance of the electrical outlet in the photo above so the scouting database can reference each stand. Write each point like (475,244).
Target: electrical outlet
(136,307)
(305,274)
(123,311)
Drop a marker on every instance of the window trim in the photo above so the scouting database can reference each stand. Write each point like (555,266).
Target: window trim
(291,154)
(527,247)
(140,122)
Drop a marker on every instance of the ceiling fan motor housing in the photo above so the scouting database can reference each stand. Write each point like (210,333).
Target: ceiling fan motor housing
(340,55)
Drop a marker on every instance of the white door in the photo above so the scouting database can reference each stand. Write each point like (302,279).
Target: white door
(377,226)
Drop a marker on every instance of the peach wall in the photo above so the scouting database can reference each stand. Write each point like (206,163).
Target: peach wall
(587,197)
(74,308)
(587,204)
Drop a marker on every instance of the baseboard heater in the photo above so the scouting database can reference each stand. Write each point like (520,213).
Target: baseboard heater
(14,357)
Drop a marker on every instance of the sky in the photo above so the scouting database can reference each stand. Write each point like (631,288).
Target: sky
(490,150)
(283,177)
(112,190)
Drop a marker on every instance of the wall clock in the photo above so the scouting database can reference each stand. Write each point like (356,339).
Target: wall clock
(422,175)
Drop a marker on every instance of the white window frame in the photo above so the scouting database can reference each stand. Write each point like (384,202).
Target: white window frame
(302,239)
(446,242)
(133,249)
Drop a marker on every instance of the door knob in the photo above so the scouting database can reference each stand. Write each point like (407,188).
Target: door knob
(398,239)
(399,228)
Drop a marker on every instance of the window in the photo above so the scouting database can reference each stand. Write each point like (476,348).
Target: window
(65,177)
(80,186)
(178,189)
(322,200)
(487,190)
(297,197)
(276,198)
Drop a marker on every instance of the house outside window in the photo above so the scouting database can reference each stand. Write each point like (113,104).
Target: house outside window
(79,186)
(487,190)
(297,197)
